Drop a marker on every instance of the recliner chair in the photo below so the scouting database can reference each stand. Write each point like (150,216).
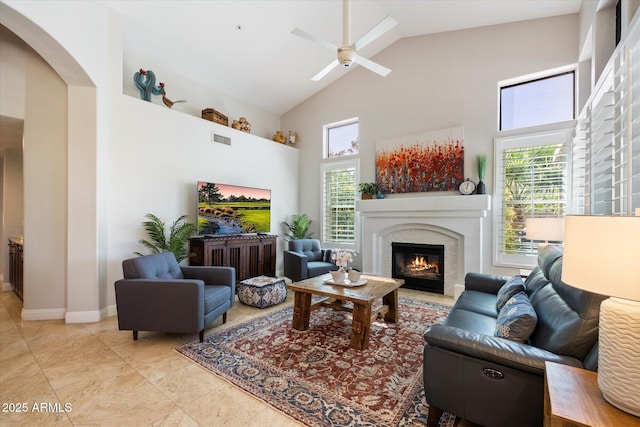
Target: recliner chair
(305,258)
(157,294)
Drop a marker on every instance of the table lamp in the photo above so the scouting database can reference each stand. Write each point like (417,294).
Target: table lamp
(602,255)
(547,229)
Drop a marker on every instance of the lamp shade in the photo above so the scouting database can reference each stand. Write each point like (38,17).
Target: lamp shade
(602,255)
(547,229)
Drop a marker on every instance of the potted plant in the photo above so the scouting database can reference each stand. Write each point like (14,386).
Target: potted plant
(175,242)
(297,227)
(367,189)
(482,169)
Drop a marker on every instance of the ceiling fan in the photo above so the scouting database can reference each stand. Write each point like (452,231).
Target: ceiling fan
(347,54)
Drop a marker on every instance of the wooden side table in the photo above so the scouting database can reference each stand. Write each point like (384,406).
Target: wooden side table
(572,398)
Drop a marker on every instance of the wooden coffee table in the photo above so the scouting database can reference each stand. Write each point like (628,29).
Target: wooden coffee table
(335,296)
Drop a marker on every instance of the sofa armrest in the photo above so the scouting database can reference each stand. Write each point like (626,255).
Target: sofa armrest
(295,266)
(211,275)
(484,282)
(494,349)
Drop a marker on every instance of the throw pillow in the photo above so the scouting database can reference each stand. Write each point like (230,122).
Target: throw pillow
(509,289)
(517,319)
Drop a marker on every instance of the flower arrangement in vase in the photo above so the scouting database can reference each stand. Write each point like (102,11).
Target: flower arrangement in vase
(341,257)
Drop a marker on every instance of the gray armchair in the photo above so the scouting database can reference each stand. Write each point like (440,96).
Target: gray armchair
(157,294)
(305,258)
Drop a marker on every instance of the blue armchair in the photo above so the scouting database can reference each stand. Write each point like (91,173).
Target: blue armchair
(157,294)
(305,258)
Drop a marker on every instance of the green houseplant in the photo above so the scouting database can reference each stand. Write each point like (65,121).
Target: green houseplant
(367,189)
(297,227)
(175,242)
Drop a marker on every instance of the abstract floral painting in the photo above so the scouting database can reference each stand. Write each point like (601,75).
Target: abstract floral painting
(429,161)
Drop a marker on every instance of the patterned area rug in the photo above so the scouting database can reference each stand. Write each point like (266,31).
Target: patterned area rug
(316,378)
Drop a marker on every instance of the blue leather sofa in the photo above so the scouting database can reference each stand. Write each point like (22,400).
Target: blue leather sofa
(494,381)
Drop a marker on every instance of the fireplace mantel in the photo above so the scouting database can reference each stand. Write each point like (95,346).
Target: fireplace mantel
(476,205)
(456,221)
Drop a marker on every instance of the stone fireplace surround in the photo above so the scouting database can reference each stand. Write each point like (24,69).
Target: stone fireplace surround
(454,221)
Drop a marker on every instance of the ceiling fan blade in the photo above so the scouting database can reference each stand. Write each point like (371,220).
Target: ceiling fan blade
(300,33)
(325,71)
(382,27)
(376,68)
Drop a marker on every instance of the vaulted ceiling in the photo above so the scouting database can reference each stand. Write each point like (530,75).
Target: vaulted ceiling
(245,48)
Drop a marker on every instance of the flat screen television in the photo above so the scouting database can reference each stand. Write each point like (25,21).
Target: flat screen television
(232,209)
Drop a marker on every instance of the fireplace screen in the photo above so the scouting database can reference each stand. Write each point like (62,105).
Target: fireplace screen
(420,265)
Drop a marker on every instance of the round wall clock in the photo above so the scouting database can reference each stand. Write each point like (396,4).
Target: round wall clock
(467,187)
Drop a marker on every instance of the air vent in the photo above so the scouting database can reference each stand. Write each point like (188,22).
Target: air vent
(221,139)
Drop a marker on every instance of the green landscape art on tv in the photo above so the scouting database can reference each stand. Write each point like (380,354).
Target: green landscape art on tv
(232,209)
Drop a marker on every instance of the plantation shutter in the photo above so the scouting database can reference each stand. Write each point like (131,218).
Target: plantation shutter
(606,150)
(532,175)
(339,202)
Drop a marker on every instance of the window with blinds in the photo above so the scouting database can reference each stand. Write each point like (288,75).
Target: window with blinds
(339,202)
(606,148)
(532,174)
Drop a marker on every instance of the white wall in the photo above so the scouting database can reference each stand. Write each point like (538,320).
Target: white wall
(438,81)
(198,97)
(45,188)
(137,158)
(158,155)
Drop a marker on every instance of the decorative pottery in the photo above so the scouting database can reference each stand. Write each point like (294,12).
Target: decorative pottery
(293,136)
(145,81)
(481,188)
(279,137)
(242,124)
(354,275)
(338,276)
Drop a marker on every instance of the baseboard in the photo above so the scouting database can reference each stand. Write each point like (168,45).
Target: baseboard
(91,316)
(6,287)
(457,291)
(44,314)
(112,310)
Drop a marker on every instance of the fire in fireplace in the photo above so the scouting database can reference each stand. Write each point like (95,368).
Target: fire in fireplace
(420,265)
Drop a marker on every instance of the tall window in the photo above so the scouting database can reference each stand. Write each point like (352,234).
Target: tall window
(531,181)
(538,102)
(339,182)
(339,202)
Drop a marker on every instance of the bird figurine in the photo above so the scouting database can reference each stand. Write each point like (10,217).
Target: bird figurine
(169,103)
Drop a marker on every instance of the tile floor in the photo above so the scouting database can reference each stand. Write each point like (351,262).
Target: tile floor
(61,374)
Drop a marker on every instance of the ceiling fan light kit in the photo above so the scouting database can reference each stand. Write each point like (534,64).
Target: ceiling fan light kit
(347,54)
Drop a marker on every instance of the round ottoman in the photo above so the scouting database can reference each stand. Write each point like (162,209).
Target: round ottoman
(262,291)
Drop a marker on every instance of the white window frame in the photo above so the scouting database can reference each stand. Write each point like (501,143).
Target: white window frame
(532,78)
(325,137)
(563,135)
(331,165)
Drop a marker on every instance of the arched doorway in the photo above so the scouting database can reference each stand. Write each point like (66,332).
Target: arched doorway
(60,182)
